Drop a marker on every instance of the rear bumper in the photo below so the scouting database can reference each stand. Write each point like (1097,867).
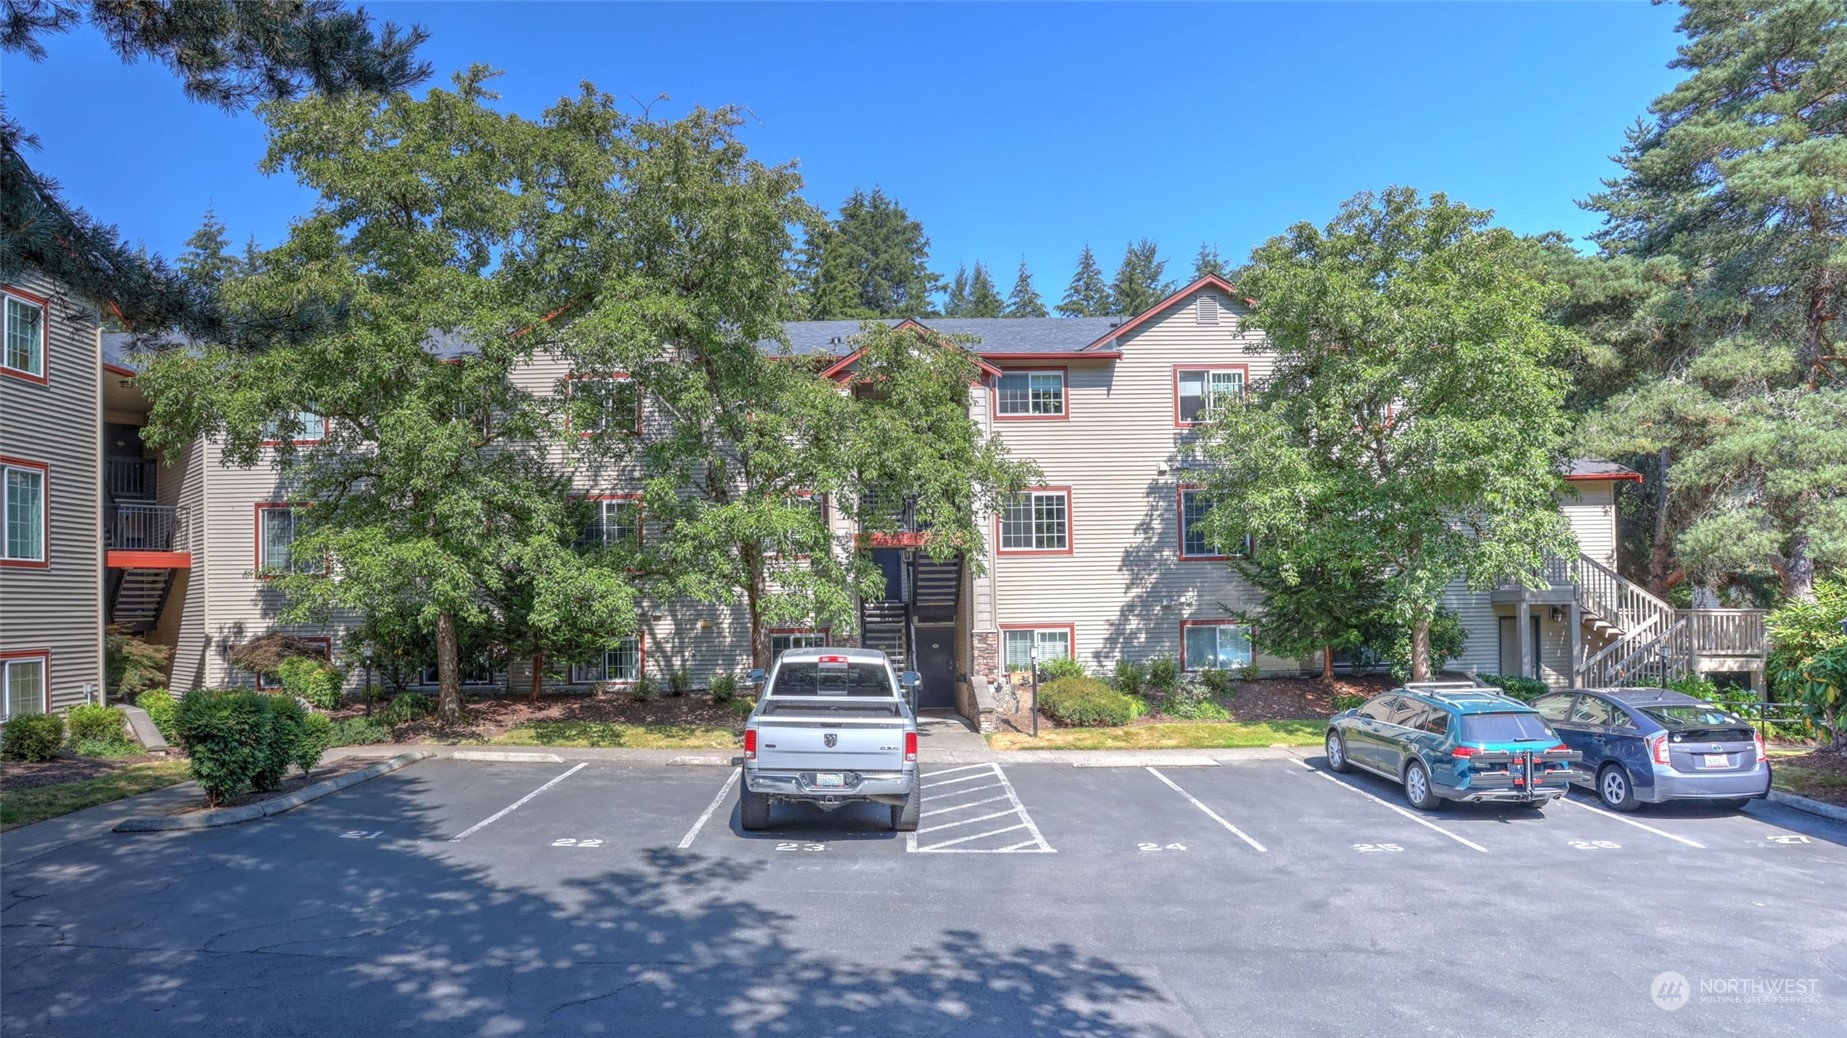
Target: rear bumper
(1681,785)
(1499,789)
(882,786)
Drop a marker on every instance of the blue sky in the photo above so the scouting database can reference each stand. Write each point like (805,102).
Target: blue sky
(1012,131)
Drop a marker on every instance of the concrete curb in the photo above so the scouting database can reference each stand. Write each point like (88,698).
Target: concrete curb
(1814,807)
(507,757)
(705,762)
(276,806)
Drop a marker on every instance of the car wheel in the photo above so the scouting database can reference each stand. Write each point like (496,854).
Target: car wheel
(754,811)
(1731,803)
(1337,753)
(1417,791)
(1614,790)
(904,817)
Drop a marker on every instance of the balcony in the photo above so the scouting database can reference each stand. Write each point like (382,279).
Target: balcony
(130,478)
(147,536)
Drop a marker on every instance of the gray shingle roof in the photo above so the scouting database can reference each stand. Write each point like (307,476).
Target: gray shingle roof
(996,334)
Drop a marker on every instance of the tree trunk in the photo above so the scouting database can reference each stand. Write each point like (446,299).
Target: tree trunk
(448,676)
(1327,663)
(1657,558)
(538,674)
(753,604)
(1798,569)
(1420,649)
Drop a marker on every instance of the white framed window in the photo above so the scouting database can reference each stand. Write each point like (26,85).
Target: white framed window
(605,404)
(1198,390)
(308,428)
(476,671)
(617,521)
(1031,394)
(1195,505)
(23,352)
(279,526)
(22,529)
(783,641)
(622,663)
(24,677)
(1214,645)
(1017,644)
(1036,521)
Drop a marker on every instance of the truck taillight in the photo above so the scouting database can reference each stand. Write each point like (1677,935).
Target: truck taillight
(1657,748)
(1762,754)
(910,747)
(750,744)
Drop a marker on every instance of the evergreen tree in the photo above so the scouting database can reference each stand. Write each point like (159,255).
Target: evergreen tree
(1736,182)
(207,260)
(1140,281)
(1024,300)
(983,298)
(1208,262)
(870,261)
(955,301)
(1088,294)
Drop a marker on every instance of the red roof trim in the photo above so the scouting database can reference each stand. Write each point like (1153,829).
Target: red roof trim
(838,370)
(117,369)
(1064,355)
(1209,281)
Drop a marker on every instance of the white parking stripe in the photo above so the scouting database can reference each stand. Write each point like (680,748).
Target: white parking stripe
(933,773)
(509,809)
(1239,833)
(965,778)
(966,821)
(723,791)
(977,836)
(932,797)
(959,807)
(1426,823)
(964,792)
(1631,821)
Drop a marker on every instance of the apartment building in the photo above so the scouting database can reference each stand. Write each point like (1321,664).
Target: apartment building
(51,550)
(1101,562)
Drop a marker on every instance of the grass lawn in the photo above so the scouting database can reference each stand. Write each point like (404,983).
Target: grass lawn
(1808,782)
(21,806)
(1170,735)
(607,733)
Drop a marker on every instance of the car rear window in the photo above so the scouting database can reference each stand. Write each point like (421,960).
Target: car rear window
(1507,727)
(826,677)
(1697,715)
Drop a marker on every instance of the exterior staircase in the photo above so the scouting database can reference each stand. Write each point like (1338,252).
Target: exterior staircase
(137,598)
(1647,640)
(133,523)
(936,589)
(886,626)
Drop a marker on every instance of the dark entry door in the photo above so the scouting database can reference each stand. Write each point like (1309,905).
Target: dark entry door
(936,661)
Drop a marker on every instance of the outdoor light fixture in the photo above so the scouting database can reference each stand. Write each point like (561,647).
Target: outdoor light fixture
(1558,614)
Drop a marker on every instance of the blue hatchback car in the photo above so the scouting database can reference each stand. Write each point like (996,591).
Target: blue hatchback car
(1649,745)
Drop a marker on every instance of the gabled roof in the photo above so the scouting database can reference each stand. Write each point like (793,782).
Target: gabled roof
(1209,281)
(842,367)
(999,336)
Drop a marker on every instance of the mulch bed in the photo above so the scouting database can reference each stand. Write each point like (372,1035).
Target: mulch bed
(289,785)
(1270,699)
(1825,762)
(485,717)
(67,767)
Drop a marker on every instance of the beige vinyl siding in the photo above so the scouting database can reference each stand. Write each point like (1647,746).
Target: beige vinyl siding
(1593,518)
(185,479)
(1123,587)
(58,607)
(1481,651)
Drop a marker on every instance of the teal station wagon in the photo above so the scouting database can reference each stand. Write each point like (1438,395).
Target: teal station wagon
(1453,742)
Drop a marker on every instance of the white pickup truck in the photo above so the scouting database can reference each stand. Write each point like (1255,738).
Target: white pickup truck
(832,726)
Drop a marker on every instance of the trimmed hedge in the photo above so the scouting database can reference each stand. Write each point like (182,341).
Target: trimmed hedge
(316,737)
(1061,667)
(240,740)
(1087,702)
(164,711)
(1516,687)
(94,722)
(34,737)
(357,731)
(318,682)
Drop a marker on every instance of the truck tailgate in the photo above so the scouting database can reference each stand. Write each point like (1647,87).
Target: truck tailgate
(794,742)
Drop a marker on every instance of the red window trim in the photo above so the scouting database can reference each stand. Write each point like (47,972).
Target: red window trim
(257,548)
(612,376)
(9,655)
(1230,621)
(44,335)
(44,504)
(1178,368)
(326,423)
(1180,525)
(1064,393)
(641,663)
(1069,629)
(323,640)
(641,520)
(1070,525)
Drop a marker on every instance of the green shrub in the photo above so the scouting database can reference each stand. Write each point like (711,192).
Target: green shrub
(163,710)
(357,731)
(1348,702)
(225,732)
(643,690)
(407,707)
(106,748)
(1087,702)
(1516,687)
(94,722)
(318,682)
(1163,674)
(35,737)
(724,688)
(1219,682)
(1131,678)
(679,683)
(1061,667)
(1205,710)
(316,737)
(1192,700)
(284,723)
(742,707)
(130,664)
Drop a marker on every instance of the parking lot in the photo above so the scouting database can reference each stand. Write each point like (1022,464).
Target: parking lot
(608,898)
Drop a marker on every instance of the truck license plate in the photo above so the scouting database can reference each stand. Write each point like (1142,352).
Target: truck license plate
(829,778)
(1717,760)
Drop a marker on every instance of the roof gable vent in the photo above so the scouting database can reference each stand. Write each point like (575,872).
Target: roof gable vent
(1207,308)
